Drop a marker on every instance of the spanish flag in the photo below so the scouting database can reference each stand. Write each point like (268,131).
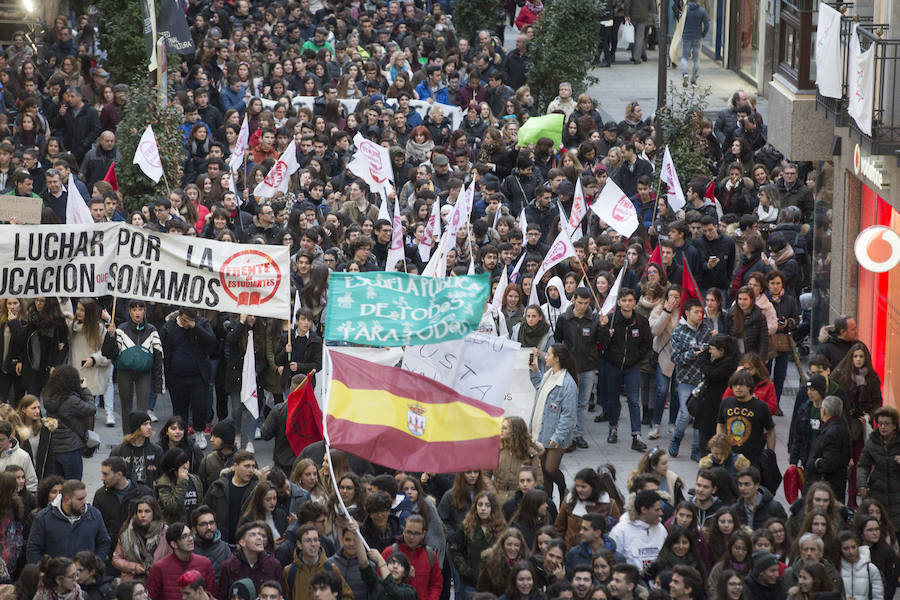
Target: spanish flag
(404,421)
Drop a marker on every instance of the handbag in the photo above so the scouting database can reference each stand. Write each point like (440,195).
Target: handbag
(693,401)
(135,358)
(769,473)
(782,342)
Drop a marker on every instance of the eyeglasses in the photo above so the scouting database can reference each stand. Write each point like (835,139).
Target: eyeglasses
(206,523)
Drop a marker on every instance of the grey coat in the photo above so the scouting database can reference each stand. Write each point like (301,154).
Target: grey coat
(558,422)
(70,411)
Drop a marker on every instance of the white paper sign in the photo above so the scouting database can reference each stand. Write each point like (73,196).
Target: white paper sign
(519,400)
(479,366)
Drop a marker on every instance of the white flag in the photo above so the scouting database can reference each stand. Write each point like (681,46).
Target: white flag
(579,206)
(471,263)
(433,268)
(396,252)
(609,304)
(675,195)
(861,83)
(573,231)
(383,211)
(514,276)
(146,156)
(560,250)
(279,175)
(615,209)
(497,299)
(248,379)
(461,210)
(77,212)
(240,146)
(372,163)
(294,311)
(828,52)
(497,216)
(523,224)
(432,231)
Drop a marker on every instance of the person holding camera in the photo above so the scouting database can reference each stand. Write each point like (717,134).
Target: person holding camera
(688,341)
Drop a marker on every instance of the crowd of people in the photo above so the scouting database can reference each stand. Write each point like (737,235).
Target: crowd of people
(188,509)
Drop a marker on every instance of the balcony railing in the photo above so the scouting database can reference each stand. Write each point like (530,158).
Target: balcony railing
(885,138)
(835,109)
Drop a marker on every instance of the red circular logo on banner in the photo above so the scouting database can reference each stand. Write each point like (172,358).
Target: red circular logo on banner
(623,209)
(276,175)
(250,277)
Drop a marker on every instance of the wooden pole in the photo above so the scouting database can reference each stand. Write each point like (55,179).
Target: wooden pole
(590,287)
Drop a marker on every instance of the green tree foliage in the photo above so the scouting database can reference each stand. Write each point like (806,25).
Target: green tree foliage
(678,122)
(471,15)
(143,109)
(565,48)
(122,36)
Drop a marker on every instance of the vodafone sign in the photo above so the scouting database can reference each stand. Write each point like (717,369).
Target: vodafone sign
(877,249)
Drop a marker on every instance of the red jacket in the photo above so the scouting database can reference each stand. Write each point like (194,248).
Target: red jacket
(428,580)
(162,580)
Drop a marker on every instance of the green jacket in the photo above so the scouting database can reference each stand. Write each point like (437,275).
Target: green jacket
(387,588)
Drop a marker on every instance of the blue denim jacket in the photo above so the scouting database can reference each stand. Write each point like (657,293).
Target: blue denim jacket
(558,422)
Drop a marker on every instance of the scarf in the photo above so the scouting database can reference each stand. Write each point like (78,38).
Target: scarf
(858,376)
(418,153)
(530,336)
(140,543)
(550,381)
(783,255)
(46,593)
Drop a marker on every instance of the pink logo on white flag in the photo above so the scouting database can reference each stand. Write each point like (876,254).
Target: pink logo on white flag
(615,209)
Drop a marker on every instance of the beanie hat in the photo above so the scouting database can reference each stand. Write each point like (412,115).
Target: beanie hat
(136,419)
(818,383)
(762,560)
(224,430)
(243,589)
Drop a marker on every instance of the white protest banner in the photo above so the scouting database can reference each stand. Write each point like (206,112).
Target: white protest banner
(519,400)
(615,209)
(56,260)
(861,83)
(828,52)
(478,366)
(206,274)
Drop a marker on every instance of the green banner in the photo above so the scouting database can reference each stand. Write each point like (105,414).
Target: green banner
(549,126)
(397,309)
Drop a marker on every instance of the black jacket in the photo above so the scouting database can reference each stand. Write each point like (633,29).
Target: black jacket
(520,190)
(580,335)
(717,374)
(201,338)
(143,461)
(626,177)
(274,427)
(307,358)
(81,131)
(630,341)
(70,411)
(756,332)
(829,457)
(720,275)
(767,508)
(217,499)
(516,67)
(115,509)
(834,348)
(753,590)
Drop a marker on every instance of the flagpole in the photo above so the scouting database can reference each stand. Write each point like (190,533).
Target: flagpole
(589,286)
(166,181)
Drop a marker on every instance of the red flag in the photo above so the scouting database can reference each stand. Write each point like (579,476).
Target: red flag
(110,177)
(655,257)
(689,288)
(710,193)
(304,418)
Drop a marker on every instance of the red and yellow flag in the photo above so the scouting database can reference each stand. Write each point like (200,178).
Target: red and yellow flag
(405,421)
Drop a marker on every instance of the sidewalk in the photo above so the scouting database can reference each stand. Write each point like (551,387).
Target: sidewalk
(625,82)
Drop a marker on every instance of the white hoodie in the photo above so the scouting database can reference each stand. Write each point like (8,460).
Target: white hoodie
(862,580)
(552,313)
(638,541)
